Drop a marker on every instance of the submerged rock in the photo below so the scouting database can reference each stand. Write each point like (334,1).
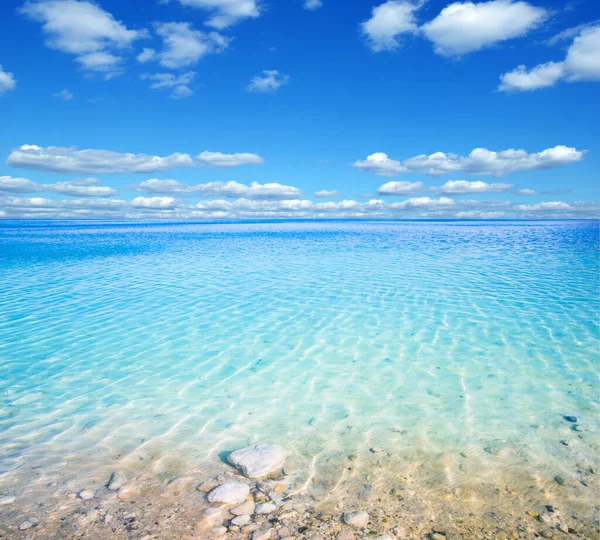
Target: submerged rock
(7,500)
(569,418)
(116,481)
(242,520)
(229,493)
(265,508)
(356,519)
(258,460)
(25,525)
(244,508)
(86,494)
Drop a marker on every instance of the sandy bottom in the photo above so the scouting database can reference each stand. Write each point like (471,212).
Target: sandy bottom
(406,497)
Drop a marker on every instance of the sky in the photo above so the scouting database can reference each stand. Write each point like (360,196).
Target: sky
(248,109)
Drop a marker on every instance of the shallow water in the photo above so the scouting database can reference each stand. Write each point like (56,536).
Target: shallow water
(159,347)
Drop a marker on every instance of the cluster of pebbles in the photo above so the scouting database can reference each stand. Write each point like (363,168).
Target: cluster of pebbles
(254,500)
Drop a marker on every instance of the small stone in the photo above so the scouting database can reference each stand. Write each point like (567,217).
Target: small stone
(547,533)
(376,450)
(86,494)
(229,493)
(279,488)
(249,528)
(437,536)
(564,442)
(356,519)
(265,508)
(569,418)
(345,535)
(116,481)
(205,487)
(212,516)
(218,531)
(560,480)
(262,534)
(25,525)
(533,514)
(7,500)
(241,520)
(352,457)
(244,508)
(258,460)
(576,427)
(383,537)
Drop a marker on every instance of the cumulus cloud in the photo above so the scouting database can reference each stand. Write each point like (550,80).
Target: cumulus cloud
(526,192)
(243,208)
(479,162)
(270,81)
(464,27)
(7,81)
(380,164)
(582,63)
(461,187)
(179,85)
(388,21)
(225,12)
(85,30)
(312,4)
(218,159)
(254,191)
(184,46)
(73,161)
(146,55)
(327,193)
(399,188)
(86,187)
(65,95)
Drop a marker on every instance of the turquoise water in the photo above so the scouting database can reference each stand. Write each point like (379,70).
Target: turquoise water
(158,347)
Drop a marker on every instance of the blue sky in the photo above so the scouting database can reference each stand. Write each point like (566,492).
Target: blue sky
(245,109)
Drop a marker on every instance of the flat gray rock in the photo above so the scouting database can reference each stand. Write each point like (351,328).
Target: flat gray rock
(356,519)
(229,493)
(258,460)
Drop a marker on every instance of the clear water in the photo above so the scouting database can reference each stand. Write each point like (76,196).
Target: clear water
(159,347)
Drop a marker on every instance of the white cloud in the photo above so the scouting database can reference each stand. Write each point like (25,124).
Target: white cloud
(476,214)
(327,193)
(218,159)
(582,63)
(461,187)
(153,202)
(270,81)
(387,22)
(526,192)
(464,27)
(380,164)
(399,188)
(255,191)
(71,160)
(423,203)
(178,84)
(87,187)
(83,29)
(146,55)
(226,12)
(312,4)
(184,46)
(65,95)
(479,162)
(7,81)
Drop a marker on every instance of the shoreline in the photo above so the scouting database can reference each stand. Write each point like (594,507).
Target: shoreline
(403,499)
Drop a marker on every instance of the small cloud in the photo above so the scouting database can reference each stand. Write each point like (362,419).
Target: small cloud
(65,95)
(462,187)
(312,4)
(327,193)
(146,55)
(380,164)
(178,84)
(270,81)
(399,188)
(7,81)
(388,21)
(218,159)
(527,192)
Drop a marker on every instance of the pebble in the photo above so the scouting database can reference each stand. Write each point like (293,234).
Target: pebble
(356,519)
(25,525)
(375,450)
(218,531)
(577,427)
(547,533)
(86,494)
(116,481)
(345,535)
(229,493)
(569,418)
(244,508)
(383,537)
(437,536)
(7,500)
(241,520)
(564,442)
(352,457)
(265,508)
(262,534)
(258,460)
